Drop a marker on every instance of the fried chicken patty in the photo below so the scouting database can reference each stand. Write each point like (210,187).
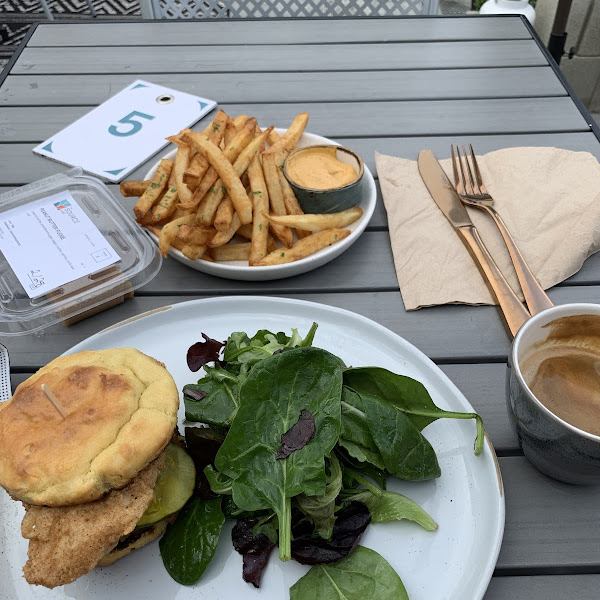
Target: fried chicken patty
(67,542)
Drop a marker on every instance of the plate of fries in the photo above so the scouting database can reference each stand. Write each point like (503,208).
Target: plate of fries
(219,203)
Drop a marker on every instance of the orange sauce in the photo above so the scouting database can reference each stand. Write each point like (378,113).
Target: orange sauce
(319,169)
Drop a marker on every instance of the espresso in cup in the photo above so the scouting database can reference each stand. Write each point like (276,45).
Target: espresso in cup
(563,371)
(553,391)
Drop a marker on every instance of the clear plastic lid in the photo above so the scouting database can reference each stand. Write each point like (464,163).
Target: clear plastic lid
(138,258)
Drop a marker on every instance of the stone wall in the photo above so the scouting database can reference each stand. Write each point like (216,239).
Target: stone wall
(583,28)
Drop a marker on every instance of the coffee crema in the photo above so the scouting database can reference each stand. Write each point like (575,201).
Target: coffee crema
(563,371)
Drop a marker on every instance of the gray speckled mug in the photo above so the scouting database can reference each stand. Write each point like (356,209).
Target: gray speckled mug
(552,445)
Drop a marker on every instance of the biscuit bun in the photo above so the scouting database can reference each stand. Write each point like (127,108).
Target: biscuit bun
(133,542)
(121,408)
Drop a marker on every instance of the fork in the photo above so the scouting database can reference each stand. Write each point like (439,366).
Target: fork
(472,192)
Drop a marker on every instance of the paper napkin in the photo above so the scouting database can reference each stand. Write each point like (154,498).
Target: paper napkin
(549,199)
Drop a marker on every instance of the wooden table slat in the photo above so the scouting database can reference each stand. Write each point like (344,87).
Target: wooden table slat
(445,334)
(274,32)
(548,523)
(21,166)
(90,90)
(582,587)
(367,266)
(229,59)
(340,120)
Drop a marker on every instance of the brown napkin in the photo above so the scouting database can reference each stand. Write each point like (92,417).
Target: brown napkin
(549,199)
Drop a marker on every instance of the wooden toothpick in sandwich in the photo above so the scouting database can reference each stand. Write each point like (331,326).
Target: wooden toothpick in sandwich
(53,400)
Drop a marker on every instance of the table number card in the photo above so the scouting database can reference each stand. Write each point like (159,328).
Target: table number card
(126,130)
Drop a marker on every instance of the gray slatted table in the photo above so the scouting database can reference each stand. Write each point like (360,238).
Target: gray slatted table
(392,85)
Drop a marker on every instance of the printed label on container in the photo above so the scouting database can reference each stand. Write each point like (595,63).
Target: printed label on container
(51,242)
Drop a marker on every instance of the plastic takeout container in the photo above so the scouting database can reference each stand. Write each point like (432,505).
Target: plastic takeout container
(139,259)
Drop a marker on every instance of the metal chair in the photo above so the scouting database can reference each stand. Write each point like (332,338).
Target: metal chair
(50,16)
(265,9)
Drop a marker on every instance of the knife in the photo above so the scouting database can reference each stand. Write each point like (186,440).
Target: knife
(448,201)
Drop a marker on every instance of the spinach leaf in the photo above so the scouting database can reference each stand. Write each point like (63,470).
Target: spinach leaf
(220,402)
(406,395)
(387,506)
(363,574)
(355,436)
(190,543)
(232,511)
(321,508)
(271,399)
(243,352)
(219,483)
(405,452)
(365,468)
(269,526)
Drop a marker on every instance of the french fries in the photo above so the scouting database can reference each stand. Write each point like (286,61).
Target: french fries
(222,237)
(229,177)
(167,204)
(291,203)
(224,214)
(226,184)
(131,189)
(305,247)
(210,204)
(195,172)
(289,139)
(199,236)
(153,191)
(231,252)
(193,251)
(198,164)
(210,181)
(276,198)
(260,201)
(169,232)
(318,222)
(182,161)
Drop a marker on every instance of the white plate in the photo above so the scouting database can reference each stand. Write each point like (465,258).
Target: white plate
(240,270)
(453,563)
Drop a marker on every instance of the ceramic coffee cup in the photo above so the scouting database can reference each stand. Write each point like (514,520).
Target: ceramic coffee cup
(554,446)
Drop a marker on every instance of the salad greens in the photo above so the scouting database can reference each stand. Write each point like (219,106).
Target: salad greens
(363,574)
(190,543)
(321,509)
(272,397)
(297,448)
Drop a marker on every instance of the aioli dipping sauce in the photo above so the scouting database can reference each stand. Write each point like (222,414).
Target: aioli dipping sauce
(319,169)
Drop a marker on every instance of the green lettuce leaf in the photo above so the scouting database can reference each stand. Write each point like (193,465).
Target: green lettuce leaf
(271,399)
(362,575)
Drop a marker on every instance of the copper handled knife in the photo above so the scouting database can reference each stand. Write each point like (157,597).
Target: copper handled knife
(443,193)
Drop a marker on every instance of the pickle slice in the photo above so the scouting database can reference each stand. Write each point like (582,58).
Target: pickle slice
(173,488)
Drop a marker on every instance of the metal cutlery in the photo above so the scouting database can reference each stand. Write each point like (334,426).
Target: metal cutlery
(449,202)
(472,192)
